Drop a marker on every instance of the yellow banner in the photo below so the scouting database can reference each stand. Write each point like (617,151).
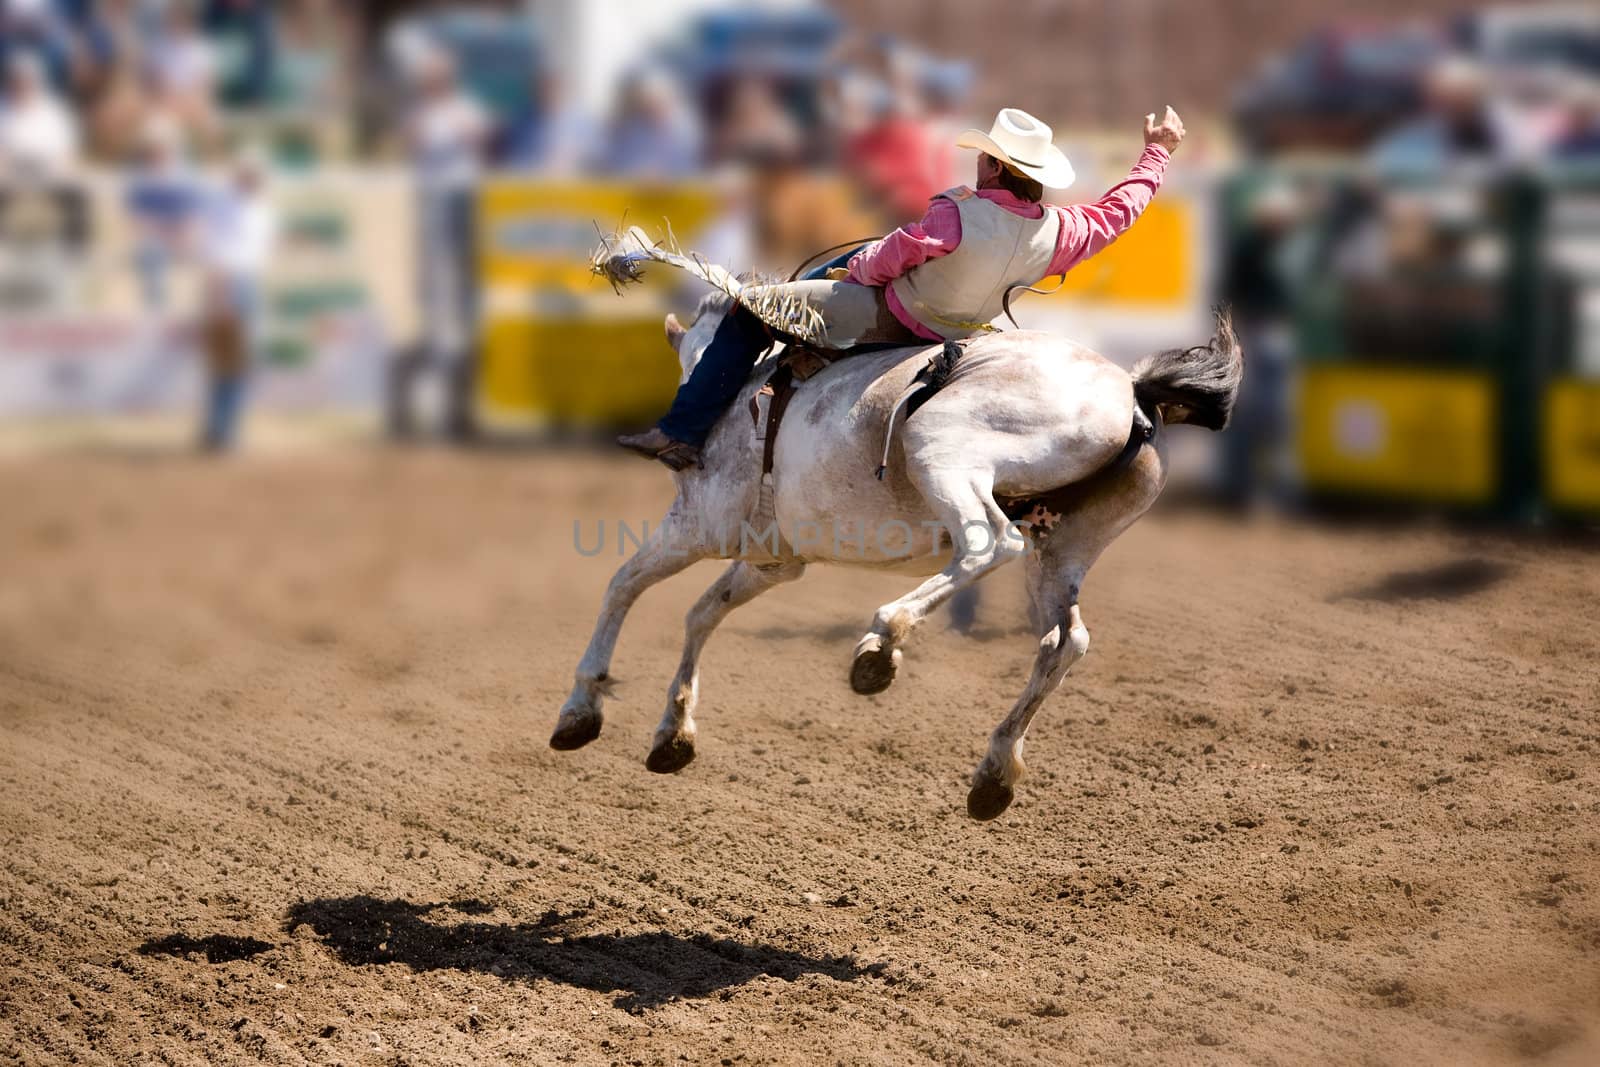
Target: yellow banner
(1151,264)
(1572,444)
(558,347)
(1428,435)
(541,233)
(578,371)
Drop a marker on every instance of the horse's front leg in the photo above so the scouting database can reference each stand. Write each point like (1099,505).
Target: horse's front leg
(673,746)
(666,553)
(984,540)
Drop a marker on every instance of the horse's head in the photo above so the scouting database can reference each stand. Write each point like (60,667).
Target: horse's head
(690,341)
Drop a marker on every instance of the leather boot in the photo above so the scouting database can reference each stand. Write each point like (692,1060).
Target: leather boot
(655,444)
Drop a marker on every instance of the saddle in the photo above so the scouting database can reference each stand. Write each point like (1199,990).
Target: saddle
(799,362)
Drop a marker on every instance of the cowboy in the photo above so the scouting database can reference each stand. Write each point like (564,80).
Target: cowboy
(945,277)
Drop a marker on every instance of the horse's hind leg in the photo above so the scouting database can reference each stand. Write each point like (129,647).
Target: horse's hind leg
(1062,642)
(983,540)
(1060,558)
(741,583)
(658,558)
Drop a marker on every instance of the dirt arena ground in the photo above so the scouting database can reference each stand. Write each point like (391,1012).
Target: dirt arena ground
(276,788)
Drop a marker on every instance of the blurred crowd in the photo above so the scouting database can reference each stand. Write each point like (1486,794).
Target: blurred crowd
(97,79)
(190,104)
(876,110)
(105,81)
(1502,83)
(1470,113)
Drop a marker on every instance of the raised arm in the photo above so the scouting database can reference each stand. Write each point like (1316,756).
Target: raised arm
(1088,228)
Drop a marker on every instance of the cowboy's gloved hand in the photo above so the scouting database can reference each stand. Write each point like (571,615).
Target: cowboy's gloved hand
(838,274)
(1168,135)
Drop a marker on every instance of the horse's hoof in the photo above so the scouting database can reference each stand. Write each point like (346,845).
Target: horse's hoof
(670,756)
(873,669)
(988,799)
(575,732)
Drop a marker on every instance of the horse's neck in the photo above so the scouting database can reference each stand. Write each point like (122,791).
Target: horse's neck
(689,360)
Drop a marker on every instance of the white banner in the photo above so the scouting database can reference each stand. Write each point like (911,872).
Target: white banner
(77,336)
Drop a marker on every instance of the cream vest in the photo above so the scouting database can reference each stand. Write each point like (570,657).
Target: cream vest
(959,294)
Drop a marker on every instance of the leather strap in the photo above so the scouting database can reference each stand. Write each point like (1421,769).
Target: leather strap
(782,384)
(797,364)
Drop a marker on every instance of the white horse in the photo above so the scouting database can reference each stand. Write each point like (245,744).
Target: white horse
(1026,420)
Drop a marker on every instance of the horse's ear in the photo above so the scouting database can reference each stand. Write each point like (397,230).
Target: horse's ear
(675,331)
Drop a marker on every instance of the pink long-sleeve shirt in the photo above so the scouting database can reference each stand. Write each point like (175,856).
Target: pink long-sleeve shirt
(1085,230)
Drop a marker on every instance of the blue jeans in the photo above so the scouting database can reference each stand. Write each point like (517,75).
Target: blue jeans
(840,260)
(724,368)
(224,402)
(225,390)
(717,378)
(1257,432)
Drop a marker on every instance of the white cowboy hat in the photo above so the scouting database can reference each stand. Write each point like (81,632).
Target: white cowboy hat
(1023,141)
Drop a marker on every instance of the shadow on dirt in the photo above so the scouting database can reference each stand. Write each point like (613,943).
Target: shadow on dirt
(646,969)
(218,948)
(839,631)
(1447,581)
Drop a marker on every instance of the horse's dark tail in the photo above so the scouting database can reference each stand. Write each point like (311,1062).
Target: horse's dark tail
(1193,385)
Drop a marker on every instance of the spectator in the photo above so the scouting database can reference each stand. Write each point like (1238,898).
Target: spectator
(653,135)
(729,237)
(946,86)
(36,28)
(311,74)
(758,129)
(894,161)
(246,34)
(182,66)
(1456,126)
(447,133)
(92,44)
(121,112)
(237,233)
(558,137)
(163,199)
(39,137)
(1581,138)
(891,152)
(1256,286)
(123,27)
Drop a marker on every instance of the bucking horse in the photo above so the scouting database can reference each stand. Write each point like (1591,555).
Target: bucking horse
(941,461)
